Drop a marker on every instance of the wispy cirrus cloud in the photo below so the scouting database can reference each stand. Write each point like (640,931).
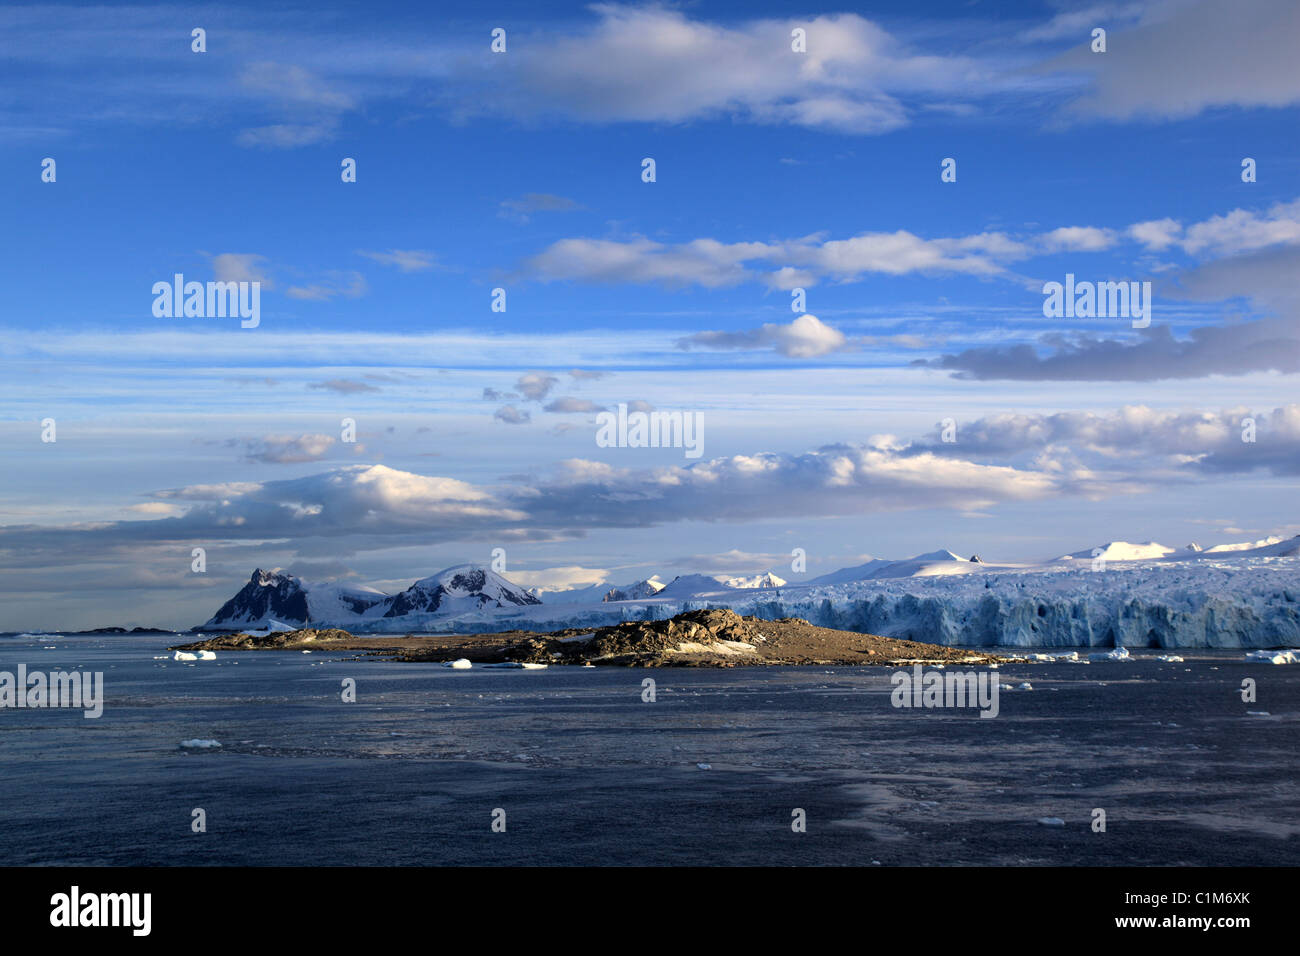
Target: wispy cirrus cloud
(523,209)
(407,260)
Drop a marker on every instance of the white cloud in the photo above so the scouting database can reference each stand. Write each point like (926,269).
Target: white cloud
(535,386)
(511,415)
(1079,239)
(568,405)
(1187,57)
(408,260)
(805,337)
(652,64)
(1157,234)
(350,285)
(559,579)
(241,267)
(287,449)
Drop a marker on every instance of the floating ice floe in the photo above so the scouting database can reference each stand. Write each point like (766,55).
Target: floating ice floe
(460,664)
(1051,821)
(519,665)
(200,744)
(1025,686)
(1170,658)
(1258,713)
(1274,657)
(185,656)
(1118,654)
(1053,656)
(704,766)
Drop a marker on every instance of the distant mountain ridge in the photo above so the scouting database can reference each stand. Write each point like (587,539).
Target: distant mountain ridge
(277,596)
(1228,595)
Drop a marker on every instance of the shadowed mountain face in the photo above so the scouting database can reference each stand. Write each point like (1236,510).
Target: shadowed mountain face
(268,594)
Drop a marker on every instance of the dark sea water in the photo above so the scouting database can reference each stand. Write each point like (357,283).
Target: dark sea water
(588,773)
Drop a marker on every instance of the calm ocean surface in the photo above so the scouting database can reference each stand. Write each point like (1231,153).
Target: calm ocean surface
(588,773)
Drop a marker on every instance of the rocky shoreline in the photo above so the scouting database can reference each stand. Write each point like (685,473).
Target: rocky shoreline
(703,638)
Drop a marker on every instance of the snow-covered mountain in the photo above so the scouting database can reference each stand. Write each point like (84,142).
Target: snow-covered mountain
(1144,595)
(768,580)
(931,563)
(1120,551)
(631,592)
(277,596)
(465,587)
(686,585)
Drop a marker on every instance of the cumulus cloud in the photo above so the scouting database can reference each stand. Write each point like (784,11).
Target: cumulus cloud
(1230,440)
(803,261)
(286,449)
(1230,234)
(805,337)
(511,415)
(1078,239)
(568,405)
(1244,56)
(564,578)
(1153,354)
(373,506)
(535,386)
(652,64)
(714,264)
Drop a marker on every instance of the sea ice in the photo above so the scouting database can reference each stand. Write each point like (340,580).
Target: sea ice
(1118,654)
(519,665)
(460,664)
(1274,657)
(199,744)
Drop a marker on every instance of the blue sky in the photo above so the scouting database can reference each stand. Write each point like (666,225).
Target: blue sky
(522,171)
